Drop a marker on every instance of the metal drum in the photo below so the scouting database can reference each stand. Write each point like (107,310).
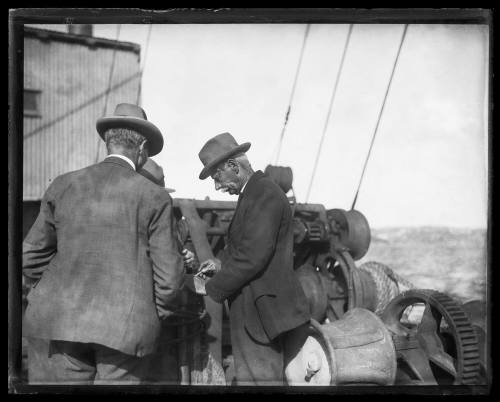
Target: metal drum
(352,229)
(312,283)
(357,349)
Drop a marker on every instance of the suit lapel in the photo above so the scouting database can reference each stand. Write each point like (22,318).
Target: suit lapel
(240,197)
(257,175)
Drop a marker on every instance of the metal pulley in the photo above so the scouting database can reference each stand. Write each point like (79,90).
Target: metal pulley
(281,175)
(356,349)
(346,286)
(352,231)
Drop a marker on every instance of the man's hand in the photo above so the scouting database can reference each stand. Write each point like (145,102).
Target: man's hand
(209,268)
(189,258)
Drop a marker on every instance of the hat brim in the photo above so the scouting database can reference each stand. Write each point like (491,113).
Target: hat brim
(210,166)
(143,127)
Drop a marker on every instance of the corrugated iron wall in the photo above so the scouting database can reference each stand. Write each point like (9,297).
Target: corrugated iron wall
(73,79)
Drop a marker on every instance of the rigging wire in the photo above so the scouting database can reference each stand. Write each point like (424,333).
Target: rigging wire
(139,89)
(334,92)
(108,90)
(380,113)
(287,115)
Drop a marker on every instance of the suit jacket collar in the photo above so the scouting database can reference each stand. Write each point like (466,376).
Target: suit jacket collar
(248,188)
(117,161)
(251,183)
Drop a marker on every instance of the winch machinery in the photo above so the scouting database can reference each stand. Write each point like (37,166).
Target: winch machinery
(369,325)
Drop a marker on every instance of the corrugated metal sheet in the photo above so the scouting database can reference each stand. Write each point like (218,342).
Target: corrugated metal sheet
(73,78)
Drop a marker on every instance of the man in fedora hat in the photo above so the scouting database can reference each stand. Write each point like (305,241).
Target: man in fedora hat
(154,172)
(104,252)
(255,273)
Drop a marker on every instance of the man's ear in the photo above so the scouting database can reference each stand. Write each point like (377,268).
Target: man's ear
(233,165)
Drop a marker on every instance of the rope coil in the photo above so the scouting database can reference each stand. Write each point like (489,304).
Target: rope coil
(388,283)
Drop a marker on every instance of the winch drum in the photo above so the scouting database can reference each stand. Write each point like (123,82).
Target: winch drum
(357,349)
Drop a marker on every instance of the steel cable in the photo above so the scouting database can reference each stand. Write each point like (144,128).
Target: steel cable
(287,115)
(334,92)
(380,114)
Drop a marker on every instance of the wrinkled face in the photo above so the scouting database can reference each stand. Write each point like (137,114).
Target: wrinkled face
(226,179)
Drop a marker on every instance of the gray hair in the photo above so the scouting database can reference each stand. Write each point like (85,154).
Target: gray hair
(243,161)
(123,137)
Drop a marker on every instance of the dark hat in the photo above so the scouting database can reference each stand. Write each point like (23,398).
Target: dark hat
(133,117)
(154,172)
(217,149)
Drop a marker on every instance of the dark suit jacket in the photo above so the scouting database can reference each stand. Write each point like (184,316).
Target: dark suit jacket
(105,249)
(257,265)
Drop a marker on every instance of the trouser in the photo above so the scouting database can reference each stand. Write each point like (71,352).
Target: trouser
(256,363)
(75,363)
(164,368)
(264,364)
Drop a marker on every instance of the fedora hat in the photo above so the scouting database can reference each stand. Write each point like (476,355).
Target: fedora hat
(217,149)
(133,117)
(154,172)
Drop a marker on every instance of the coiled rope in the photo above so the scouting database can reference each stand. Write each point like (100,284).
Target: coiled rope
(388,283)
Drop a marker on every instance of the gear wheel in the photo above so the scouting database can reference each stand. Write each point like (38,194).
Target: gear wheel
(437,347)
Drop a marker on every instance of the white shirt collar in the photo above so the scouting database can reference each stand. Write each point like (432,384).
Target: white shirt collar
(244,185)
(128,160)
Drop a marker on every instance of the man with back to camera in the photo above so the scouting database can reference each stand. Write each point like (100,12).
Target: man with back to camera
(255,273)
(104,250)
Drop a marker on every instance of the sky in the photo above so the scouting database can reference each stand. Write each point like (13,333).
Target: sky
(428,165)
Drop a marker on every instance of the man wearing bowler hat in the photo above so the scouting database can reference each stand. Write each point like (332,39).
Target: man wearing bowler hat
(255,273)
(104,252)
